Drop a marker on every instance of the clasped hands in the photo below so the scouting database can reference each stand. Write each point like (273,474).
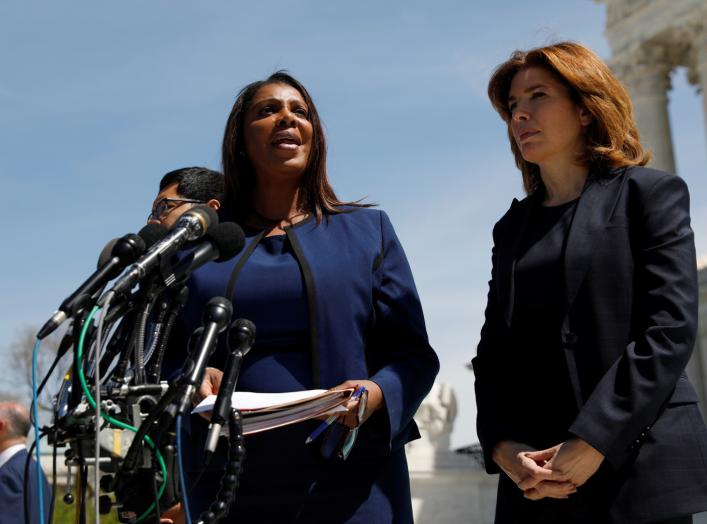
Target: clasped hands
(555,472)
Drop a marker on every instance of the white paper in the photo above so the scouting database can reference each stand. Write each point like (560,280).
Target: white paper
(249,401)
(265,411)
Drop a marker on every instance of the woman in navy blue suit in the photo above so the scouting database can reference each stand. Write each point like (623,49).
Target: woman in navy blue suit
(331,294)
(583,404)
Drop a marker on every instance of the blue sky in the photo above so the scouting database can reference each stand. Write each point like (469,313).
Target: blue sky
(98,100)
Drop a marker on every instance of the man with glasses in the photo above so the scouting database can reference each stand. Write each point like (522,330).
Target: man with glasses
(184,188)
(180,190)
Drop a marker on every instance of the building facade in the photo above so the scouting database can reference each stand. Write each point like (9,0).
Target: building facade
(649,39)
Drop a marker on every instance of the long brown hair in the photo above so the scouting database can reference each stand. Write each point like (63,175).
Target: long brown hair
(316,195)
(612,138)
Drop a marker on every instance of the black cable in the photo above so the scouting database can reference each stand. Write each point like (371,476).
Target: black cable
(131,318)
(53,498)
(83,479)
(114,346)
(155,489)
(31,404)
(178,300)
(231,475)
(193,485)
(139,349)
(177,387)
(66,342)
(82,484)
(157,326)
(121,306)
(90,368)
(25,481)
(125,344)
(149,294)
(76,391)
(25,485)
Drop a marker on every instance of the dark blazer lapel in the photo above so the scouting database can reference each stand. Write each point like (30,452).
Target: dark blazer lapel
(508,252)
(593,212)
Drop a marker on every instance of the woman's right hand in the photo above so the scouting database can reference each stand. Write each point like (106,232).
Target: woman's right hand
(210,384)
(512,457)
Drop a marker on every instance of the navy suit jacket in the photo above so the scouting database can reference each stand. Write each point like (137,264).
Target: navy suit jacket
(629,329)
(12,475)
(364,311)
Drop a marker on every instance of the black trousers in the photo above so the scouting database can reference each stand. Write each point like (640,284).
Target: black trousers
(581,508)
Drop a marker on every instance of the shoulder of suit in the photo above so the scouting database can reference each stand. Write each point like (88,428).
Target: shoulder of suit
(643,180)
(356,211)
(353,222)
(517,207)
(647,176)
(16,462)
(357,215)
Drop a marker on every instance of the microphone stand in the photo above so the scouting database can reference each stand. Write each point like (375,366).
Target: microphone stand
(231,474)
(240,339)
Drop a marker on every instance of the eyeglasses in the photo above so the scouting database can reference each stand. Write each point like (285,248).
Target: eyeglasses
(166,205)
(339,438)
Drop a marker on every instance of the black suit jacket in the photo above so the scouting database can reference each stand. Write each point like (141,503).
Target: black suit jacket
(629,329)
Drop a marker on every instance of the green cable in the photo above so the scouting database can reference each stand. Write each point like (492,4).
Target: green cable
(115,422)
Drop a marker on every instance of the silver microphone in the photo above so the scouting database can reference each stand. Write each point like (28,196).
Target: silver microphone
(192,225)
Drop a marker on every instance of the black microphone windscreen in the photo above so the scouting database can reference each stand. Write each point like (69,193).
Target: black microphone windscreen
(107,253)
(151,233)
(228,238)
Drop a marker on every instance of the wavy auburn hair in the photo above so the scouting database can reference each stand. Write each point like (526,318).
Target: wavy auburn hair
(316,195)
(612,138)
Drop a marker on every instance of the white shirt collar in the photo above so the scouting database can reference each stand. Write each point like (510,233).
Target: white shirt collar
(10,452)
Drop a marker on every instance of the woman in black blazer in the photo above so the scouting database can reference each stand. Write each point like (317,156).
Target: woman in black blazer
(583,404)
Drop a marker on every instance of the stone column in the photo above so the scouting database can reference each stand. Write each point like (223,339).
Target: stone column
(696,35)
(697,72)
(646,74)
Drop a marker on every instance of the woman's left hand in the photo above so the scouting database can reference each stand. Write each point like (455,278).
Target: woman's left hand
(375,401)
(575,460)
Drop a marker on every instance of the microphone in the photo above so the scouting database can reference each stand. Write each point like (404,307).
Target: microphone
(150,233)
(123,251)
(222,242)
(190,226)
(241,336)
(106,253)
(217,315)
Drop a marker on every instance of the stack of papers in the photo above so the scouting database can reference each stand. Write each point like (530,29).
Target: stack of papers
(264,411)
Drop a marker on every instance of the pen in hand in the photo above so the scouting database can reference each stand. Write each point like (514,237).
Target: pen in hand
(330,420)
(320,428)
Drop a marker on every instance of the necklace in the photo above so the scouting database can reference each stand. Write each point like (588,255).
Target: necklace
(277,222)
